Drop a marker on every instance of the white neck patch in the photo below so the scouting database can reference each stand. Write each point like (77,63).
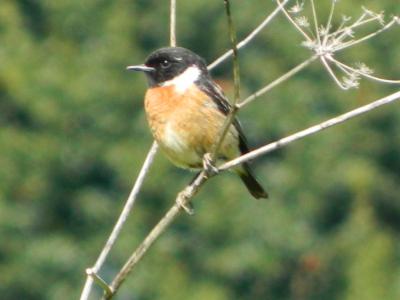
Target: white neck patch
(183,81)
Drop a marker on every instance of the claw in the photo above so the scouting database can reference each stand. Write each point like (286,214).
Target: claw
(186,205)
(208,165)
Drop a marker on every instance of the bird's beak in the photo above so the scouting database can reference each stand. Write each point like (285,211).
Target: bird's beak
(141,68)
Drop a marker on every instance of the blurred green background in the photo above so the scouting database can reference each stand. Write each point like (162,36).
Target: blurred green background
(73,136)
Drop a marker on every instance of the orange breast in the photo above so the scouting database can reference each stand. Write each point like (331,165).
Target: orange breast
(161,104)
(186,125)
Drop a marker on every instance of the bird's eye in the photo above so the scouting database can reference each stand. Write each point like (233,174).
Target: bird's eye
(165,64)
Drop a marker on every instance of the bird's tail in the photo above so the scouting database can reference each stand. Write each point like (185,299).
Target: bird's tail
(253,186)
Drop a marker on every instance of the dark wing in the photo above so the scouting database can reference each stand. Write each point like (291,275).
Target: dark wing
(217,95)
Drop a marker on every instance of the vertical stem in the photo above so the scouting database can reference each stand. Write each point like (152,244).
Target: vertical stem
(172,41)
(236,79)
(251,35)
(329,23)
(232,35)
(174,210)
(315,22)
(277,81)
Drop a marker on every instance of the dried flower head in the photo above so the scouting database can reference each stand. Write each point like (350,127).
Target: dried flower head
(302,21)
(297,8)
(351,81)
(363,68)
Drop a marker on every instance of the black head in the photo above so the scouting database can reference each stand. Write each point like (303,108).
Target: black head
(166,63)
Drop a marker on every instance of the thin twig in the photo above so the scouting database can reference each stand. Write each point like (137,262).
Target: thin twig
(329,22)
(100,281)
(139,181)
(142,249)
(136,188)
(394,21)
(233,38)
(121,220)
(251,35)
(236,78)
(349,69)
(314,12)
(172,33)
(182,199)
(360,22)
(277,81)
(342,33)
(309,131)
(289,17)
(332,74)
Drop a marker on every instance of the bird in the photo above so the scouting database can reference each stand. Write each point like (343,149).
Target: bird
(186,110)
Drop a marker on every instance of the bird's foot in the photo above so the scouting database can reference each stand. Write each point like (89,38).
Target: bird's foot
(209,166)
(184,202)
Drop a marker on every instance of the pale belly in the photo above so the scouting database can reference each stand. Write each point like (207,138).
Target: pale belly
(179,150)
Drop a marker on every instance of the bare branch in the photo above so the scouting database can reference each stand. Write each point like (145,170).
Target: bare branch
(394,21)
(277,81)
(181,201)
(342,38)
(121,220)
(360,22)
(311,130)
(289,17)
(232,35)
(99,281)
(142,249)
(329,23)
(347,68)
(134,192)
(315,22)
(236,78)
(172,21)
(332,74)
(251,36)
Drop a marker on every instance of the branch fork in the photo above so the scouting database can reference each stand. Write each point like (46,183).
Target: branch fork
(100,281)
(329,41)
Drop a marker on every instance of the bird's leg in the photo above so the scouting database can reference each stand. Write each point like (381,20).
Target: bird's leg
(184,196)
(209,166)
(183,201)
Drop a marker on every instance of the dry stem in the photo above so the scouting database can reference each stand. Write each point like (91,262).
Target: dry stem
(309,131)
(182,199)
(121,220)
(236,78)
(251,35)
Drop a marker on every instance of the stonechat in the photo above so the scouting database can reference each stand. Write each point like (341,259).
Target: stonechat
(186,110)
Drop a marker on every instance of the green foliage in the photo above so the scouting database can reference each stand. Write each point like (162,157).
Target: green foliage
(73,136)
